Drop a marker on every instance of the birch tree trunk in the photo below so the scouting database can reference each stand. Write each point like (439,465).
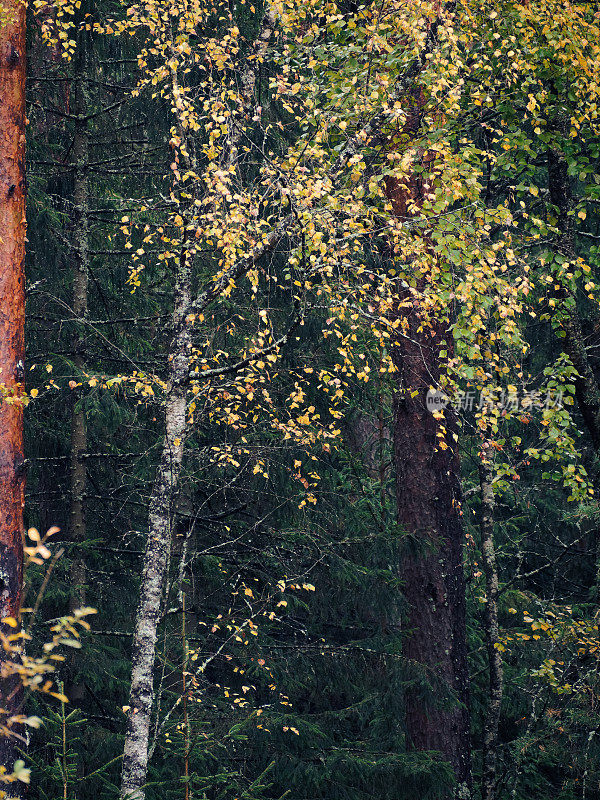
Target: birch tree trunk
(135,759)
(12,353)
(160,527)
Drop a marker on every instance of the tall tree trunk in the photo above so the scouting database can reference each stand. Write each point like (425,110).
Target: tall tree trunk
(160,526)
(12,350)
(135,758)
(247,83)
(80,261)
(492,719)
(428,495)
(80,266)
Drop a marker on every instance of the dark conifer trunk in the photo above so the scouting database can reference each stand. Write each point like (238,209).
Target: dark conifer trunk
(79,257)
(587,388)
(80,262)
(428,497)
(12,312)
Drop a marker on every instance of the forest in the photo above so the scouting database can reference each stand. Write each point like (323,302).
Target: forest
(299,399)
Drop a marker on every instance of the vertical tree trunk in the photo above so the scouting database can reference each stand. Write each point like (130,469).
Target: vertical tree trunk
(80,261)
(79,257)
(492,719)
(160,525)
(248,78)
(428,495)
(12,312)
(135,758)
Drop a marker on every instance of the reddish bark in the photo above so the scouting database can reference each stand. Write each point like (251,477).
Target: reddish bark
(12,308)
(428,500)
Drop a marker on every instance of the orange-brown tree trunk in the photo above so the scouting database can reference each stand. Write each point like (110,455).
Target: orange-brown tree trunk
(12,310)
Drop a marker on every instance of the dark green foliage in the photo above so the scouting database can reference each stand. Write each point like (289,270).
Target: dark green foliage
(308,703)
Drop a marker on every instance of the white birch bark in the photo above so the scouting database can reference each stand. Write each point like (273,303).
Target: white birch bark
(160,526)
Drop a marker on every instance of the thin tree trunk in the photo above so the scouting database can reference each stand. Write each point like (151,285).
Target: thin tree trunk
(492,718)
(80,260)
(160,527)
(12,350)
(78,444)
(135,758)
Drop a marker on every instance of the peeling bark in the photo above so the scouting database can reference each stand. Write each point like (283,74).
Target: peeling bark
(160,531)
(12,351)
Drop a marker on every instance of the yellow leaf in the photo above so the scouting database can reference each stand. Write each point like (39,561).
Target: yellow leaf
(34,535)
